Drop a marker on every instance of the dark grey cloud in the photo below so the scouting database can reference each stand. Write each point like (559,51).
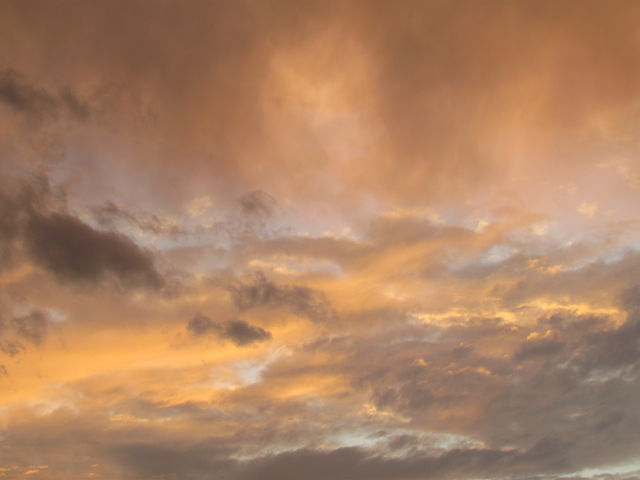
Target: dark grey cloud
(630,299)
(257,204)
(261,292)
(72,250)
(202,325)
(180,460)
(249,217)
(239,332)
(150,453)
(109,214)
(9,228)
(243,333)
(11,347)
(36,222)
(39,225)
(569,377)
(19,198)
(357,463)
(33,326)
(17,93)
(592,275)
(254,211)
(544,347)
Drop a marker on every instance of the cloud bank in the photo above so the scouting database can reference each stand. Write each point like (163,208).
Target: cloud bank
(323,240)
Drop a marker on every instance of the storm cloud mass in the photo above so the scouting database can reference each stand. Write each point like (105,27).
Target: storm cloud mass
(324,240)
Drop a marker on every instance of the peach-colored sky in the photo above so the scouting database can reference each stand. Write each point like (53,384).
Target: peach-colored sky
(359,240)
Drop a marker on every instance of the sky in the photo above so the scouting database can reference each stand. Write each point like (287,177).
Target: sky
(319,240)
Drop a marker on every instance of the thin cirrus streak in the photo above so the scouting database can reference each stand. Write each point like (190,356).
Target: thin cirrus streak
(360,240)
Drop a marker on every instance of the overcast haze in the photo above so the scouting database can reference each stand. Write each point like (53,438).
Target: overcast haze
(319,240)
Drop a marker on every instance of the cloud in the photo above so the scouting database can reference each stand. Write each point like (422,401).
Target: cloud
(260,292)
(37,223)
(109,214)
(72,250)
(414,148)
(202,325)
(537,346)
(171,460)
(11,347)
(18,94)
(146,452)
(347,463)
(465,381)
(257,204)
(8,228)
(630,299)
(17,202)
(243,333)
(411,100)
(33,326)
(239,332)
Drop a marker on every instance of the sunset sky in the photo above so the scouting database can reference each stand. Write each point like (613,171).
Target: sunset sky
(319,240)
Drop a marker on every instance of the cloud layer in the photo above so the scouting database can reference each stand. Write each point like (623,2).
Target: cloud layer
(331,240)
